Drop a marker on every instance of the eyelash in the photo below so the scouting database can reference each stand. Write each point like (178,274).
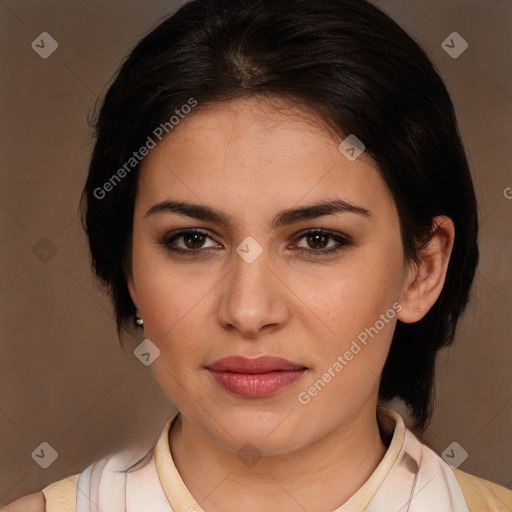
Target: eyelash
(342,240)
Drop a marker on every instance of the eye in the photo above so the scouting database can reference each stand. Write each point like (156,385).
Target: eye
(318,240)
(192,241)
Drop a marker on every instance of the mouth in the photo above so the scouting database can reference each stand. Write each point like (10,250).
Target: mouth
(255,377)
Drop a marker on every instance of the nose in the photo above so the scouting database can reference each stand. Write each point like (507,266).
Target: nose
(253,299)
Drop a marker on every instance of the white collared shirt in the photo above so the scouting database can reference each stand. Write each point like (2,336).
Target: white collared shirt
(410,478)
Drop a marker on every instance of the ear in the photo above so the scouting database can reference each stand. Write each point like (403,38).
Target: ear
(425,279)
(131,285)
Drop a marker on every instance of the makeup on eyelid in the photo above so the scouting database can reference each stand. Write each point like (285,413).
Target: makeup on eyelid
(341,239)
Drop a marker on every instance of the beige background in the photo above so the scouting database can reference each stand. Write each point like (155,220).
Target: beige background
(64,379)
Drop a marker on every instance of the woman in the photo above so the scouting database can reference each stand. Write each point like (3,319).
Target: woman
(271,198)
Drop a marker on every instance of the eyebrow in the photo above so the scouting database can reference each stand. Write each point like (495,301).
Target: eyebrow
(283,218)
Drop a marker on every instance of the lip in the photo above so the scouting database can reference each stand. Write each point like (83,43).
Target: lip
(255,377)
(261,364)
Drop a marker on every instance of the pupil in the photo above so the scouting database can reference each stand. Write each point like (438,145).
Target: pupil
(197,244)
(318,238)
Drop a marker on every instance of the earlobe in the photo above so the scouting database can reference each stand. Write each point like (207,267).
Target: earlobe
(425,279)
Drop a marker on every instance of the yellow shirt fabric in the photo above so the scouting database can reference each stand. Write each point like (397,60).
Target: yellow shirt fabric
(480,495)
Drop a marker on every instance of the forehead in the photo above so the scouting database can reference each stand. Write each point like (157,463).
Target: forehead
(257,152)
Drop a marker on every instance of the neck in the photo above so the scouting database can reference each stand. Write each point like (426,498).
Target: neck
(319,477)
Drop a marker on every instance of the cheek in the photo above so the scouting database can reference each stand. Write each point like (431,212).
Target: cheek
(354,295)
(173,302)
(165,287)
(353,317)
(350,355)
(175,309)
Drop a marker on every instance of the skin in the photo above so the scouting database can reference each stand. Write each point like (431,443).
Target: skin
(250,159)
(30,503)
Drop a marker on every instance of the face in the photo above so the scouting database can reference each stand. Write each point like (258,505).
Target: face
(249,273)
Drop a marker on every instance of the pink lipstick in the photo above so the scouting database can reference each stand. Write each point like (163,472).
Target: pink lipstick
(255,377)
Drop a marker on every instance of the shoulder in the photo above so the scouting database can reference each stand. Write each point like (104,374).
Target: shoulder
(482,495)
(62,495)
(59,496)
(31,503)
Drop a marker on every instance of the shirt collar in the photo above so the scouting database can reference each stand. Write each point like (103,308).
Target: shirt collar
(391,425)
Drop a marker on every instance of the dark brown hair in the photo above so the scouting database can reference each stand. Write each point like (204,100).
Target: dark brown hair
(363,75)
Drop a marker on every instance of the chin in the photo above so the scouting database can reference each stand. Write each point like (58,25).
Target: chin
(270,432)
